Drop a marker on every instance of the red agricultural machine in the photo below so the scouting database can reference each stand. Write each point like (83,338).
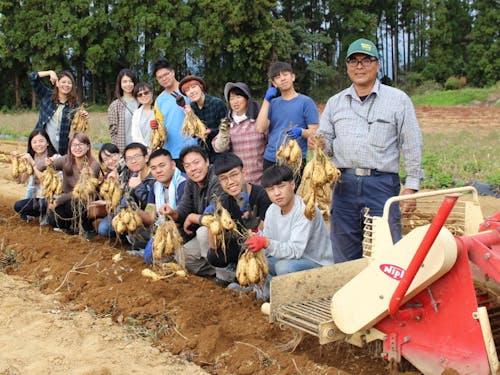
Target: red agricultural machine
(431,298)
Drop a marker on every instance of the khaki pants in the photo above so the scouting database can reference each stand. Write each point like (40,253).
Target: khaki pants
(195,254)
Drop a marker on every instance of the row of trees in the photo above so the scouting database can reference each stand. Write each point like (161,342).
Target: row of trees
(237,40)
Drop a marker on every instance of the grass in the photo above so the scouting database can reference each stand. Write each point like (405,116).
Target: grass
(457,158)
(458,97)
(18,126)
(464,156)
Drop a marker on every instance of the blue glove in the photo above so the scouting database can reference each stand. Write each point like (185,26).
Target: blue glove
(294,133)
(272,92)
(210,209)
(242,200)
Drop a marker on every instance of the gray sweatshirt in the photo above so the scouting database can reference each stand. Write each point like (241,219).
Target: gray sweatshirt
(293,236)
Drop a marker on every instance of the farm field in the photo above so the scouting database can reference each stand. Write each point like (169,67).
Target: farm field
(67,308)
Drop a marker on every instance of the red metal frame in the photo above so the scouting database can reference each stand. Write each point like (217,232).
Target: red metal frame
(437,329)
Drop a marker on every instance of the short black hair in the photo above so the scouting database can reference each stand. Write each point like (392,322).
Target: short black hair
(161,64)
(225,162)
(144,149)
(159,152)
(193,148)
(238,91)
(279,67)
(109,147)
(275,175)
(141,86)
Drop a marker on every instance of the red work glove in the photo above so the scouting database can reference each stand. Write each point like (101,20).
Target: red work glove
(256,243)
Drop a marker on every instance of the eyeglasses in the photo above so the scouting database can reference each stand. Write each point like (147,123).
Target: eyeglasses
(165,75)
(133,158)
(78,145)
(143,93)
(365,62)
(233,176)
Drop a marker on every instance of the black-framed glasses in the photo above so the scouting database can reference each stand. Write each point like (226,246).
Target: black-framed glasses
(365,62)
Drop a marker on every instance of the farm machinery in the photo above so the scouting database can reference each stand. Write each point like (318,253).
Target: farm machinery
(431,298)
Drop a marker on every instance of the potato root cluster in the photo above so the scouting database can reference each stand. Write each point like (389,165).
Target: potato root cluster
(252,268)
(316,185)
(80,121)
(20,166)
(51,183)
(167,240)
(193,126)
(159,131)
(111,191)
(127,220)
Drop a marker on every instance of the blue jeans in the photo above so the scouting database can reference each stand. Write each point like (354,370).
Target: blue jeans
(351,195)
(283,266)
(105,228)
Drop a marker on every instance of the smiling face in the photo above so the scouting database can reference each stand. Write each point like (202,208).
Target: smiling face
(166,78)
(64,85)
(79,149)
(238,103)
(39,144)
(232,181)
(196,167)
(127,85)
(109,159)
(284,80)
(144,96)
(135,160)
(363,76)
(193,91)
(162,169)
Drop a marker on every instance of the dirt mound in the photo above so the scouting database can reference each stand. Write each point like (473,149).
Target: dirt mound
(220,330)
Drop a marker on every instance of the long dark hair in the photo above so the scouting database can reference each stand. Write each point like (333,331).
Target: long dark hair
(72,97)
(50,147)
(70,158)
(118,85)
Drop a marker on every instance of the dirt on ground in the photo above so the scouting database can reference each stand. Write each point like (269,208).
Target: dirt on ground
(68,308)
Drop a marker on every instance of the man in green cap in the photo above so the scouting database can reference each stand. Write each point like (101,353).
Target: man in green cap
(366,127)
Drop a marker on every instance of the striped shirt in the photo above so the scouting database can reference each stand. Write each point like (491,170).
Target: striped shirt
(372,133)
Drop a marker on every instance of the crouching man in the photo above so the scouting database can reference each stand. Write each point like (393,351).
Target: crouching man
(291,241)
(246,203)
(201,188)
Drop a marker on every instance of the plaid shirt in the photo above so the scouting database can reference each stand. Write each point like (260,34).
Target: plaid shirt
(246,142)
(116,120)
(47,110)
(372,133)
(213,110)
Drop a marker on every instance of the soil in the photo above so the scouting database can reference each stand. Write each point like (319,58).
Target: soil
(67,307)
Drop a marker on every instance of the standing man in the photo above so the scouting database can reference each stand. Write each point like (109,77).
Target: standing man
(171,104)
(209,109)
(365,128)
(291,113)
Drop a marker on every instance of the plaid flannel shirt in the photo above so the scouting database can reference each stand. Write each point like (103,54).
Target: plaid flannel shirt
(47,110)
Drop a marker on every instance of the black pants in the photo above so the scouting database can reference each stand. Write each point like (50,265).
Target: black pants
(217,258)
(63,217)
(31,207)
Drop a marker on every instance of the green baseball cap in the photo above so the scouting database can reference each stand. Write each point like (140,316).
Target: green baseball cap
(362,46)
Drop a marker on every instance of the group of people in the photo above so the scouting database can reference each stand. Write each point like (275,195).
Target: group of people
(365,129)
